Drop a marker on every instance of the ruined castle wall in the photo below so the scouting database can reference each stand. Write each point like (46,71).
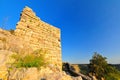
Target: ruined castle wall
(39,34)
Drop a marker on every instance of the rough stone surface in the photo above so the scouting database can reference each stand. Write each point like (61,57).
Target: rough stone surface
(94,78)
(77,78)
(39,34)
(42,74)
(76,68)
(13,43)
(5,60)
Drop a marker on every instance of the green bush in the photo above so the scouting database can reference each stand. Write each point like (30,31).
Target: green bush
(112,76)
(100,68)
(98,65)
(29,60)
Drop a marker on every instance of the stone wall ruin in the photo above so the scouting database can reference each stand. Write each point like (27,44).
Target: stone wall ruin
(39,34)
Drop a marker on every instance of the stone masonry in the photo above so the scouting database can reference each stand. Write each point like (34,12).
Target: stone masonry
(40,35)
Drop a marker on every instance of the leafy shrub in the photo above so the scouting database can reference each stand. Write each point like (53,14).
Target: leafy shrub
(100,68)
(98,65)
(29,60)
(112,76)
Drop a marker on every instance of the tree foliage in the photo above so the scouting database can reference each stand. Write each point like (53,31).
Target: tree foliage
(97,65)
(100,68)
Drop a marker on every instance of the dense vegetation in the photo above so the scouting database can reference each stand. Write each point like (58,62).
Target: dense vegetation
(99,67)
(35,59)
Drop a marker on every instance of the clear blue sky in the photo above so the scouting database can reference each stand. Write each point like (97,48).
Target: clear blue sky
(86,26)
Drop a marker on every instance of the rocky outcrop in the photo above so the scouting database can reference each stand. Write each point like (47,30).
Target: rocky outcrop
(13,43)
(5,63)
(71,71)
(42,74)
(76,68)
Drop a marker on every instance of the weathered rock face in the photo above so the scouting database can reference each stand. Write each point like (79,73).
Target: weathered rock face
(13,43)
(5,61)
(76,68)
(39,34)
(43,74)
